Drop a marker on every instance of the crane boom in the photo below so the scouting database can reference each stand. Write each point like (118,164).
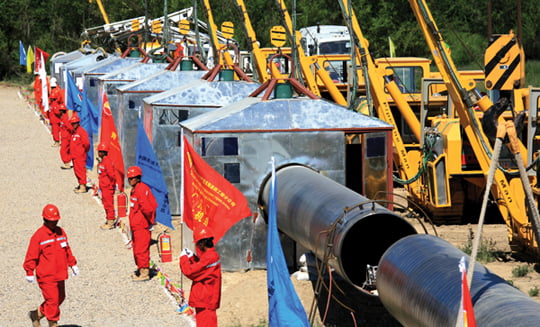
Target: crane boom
(259,57)
(306,62)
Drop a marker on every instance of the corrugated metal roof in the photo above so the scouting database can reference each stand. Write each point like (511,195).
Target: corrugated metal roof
(163,80)
(134,72)
(111,66)
(204,93)
(253,114)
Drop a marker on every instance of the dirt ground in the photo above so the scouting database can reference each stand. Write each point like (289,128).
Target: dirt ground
(103,294)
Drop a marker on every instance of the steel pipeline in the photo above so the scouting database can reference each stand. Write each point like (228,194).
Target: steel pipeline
(419,283)
(338,225)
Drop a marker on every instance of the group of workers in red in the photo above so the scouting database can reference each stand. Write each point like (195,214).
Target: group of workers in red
(49,255)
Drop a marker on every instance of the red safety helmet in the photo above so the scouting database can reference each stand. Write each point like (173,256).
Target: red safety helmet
(75,118)
(202,233)
(50,212)
(103,147)
(134,171)
(61,106)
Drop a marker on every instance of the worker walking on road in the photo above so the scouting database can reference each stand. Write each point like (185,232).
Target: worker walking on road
(78,148)
(49,255)
(142,215)
(204,269)
(107,184)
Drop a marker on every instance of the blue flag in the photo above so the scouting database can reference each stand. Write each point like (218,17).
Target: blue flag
(22,54)
(88,113)
(74,98)
(284,306)
(146,158)
(89,121)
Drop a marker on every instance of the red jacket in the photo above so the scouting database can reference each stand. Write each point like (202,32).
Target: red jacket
(107,174)
(205,272)
(65,127)
(142,211)
(79,144)
(49,254)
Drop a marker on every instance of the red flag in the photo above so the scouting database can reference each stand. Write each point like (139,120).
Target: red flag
(209,199)
(39,63)
(110,136)
(466,314)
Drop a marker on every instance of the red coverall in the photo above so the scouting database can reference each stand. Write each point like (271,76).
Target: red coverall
(55,120)
(65,136)
(37,93)
(55,98)
(49,255)
(142,214)
(78,148)
(107,184)
(204,269)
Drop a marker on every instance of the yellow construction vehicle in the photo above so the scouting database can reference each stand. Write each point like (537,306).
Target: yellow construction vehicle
(445,173)
(478,116)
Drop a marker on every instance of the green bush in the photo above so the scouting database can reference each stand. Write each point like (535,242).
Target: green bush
(532,73)
(534,291)
(521,271)
(487,252)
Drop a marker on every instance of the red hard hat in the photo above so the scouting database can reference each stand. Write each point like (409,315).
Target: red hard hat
(103,147)
(202,233)
(50,212)
(75,118)
(134,171)
(62,106)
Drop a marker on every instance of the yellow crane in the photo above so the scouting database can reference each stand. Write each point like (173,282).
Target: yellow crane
(259,55)
(220,50)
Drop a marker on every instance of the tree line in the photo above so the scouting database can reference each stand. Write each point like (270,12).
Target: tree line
(56,25)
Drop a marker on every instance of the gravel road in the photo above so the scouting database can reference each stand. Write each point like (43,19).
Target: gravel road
(103,295)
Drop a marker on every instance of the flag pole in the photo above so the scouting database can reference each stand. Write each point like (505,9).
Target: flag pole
(182,199)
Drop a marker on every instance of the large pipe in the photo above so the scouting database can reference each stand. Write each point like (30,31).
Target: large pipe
(337,224)
(419,283)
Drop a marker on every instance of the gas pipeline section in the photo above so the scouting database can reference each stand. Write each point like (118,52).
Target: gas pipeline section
(369,267)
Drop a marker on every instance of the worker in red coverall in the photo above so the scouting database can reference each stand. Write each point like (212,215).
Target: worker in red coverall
(55,100)
(204,269)
(49,255)
(78,149)
(37,93)
(107,184)
(65,136)
(142,215)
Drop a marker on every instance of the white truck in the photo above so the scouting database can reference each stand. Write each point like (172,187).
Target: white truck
(326,40)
